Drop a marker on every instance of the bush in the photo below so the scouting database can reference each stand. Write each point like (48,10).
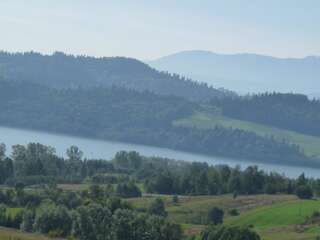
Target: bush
(233,212)
(27,220)
(175,199)
(129,190)
(215,216)
(157,208)
(56,220)
(304,192)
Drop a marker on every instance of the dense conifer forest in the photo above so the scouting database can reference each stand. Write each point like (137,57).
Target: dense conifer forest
(288,111)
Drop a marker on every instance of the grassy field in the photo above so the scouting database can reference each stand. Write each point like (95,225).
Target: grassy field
(10,234)
(191,211)
(310,144)
(275,217)
(278,215)
(281,221)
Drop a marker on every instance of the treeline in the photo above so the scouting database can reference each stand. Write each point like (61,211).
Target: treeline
(143,118)
(288,111)
(66,71)
(201,179)
(36,164)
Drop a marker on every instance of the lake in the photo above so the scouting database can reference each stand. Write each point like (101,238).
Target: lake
(107,149)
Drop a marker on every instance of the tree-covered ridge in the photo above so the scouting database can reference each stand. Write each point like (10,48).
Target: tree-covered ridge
(126,115)
(66,71)
(93,112)
(288,111)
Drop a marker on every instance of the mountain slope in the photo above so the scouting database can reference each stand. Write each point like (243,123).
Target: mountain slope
(65,71)
(245,73)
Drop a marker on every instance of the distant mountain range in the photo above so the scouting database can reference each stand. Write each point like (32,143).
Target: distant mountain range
(66,71)
(246,73)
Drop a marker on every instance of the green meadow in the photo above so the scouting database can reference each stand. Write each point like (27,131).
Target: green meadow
(278,215)
(275,217)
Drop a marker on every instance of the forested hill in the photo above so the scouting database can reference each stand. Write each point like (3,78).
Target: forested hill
(66,71)
(288,111)
(130,116)
(94,112)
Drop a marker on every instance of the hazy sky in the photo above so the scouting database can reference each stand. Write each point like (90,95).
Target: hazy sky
(147,29)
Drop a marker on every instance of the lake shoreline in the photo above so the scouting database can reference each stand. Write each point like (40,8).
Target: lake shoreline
(105,149)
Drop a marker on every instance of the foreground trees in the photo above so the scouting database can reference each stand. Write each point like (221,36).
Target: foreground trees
(97,222)
(85,215)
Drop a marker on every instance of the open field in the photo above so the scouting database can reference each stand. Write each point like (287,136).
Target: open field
(188,208)
(192,211)
(310,144)
(10,234)
(281,221)
(275,217)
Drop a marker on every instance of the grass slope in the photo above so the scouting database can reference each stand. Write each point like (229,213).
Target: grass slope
(278,215)
(283,221)
(192,210)
(310,144)
(275,217)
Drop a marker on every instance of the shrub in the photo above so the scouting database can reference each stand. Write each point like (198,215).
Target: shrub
(215,216)
(233,212)
(157,208)
(304,192)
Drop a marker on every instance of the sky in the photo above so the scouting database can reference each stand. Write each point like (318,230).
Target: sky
(148,29)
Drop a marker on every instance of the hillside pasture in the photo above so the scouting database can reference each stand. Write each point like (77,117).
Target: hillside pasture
(310,144)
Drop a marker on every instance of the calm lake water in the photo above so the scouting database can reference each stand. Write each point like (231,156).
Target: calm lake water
(107,149)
